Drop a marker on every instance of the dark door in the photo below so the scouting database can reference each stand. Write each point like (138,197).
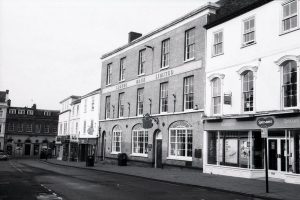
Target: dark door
(284,152)
(27,149)
(36,149)
(159,153)
(273,154)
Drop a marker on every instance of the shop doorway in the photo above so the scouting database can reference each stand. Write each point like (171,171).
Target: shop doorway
(103,144)
(278,151)
(157,149)
(27,149)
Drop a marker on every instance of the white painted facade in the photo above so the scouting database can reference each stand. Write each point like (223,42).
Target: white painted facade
(89,115)
(264,57)
(270,46)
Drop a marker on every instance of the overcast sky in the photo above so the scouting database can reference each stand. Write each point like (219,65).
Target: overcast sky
(51,49)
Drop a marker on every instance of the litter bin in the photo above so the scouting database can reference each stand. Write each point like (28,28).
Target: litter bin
(90,161)
(122,159)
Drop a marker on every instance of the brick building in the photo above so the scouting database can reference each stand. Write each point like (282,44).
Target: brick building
(161,74)
(30,131)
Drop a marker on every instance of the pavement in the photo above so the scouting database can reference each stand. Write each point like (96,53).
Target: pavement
(250,187)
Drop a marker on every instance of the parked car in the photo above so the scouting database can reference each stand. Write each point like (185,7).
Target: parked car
(3,156)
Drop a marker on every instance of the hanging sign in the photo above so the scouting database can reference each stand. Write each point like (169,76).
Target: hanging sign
(265,122)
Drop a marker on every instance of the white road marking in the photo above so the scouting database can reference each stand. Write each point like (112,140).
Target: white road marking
(14,166)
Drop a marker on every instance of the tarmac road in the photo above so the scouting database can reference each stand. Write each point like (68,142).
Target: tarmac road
(28,179)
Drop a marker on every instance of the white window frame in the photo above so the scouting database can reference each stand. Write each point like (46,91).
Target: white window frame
(189,44)
(84,127)
(290,16)
(107,107)
(28,128)
(165,53)
(245,32)
(12,111)
(282,89)
(121,105)
(142,61)
(29,112)
(122,69)
(215,43)
(145,135)
(253,91)
(46,128)
(20,127)
(85,106)
(188,91)
(21,112)
(163,95)
(116,139)
(93,103)
(108,74)
(140,101)
(217,96)
(177,157)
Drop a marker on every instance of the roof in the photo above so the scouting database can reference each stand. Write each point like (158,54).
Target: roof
(2,96)
(70,97)
(230,9)
(91,93)
(176,21)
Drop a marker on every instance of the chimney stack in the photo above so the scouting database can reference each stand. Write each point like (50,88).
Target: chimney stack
(33,106)
(8,102)
(133,35)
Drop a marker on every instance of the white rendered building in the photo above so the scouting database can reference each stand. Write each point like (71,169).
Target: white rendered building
(253,57)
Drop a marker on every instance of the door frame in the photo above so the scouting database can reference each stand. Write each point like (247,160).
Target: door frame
(156,136)
(278,173)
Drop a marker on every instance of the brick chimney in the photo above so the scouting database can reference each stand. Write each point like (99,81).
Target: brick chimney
(133,35)
(33,106)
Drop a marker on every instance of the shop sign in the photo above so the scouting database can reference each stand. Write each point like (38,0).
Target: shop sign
(147,121)
(264,133)
(265,122)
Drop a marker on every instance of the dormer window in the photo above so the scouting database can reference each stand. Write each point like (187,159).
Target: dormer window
(21,112)
(47,113)
(29,112)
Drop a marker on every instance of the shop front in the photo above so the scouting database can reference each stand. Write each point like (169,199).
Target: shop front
(87,147)
(235,146)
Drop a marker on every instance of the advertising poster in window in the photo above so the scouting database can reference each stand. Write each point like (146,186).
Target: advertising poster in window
(220,150)
(231,151)
(244,151)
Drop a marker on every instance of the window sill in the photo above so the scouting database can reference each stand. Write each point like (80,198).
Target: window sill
(139,155)
(180,158)
(163,68)
(248,44)
(289,31)
(139,75)
(108,85)
(114,153)
(189,60)
(121,81)
(216,55)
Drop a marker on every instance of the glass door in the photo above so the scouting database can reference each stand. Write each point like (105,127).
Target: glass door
(278,149)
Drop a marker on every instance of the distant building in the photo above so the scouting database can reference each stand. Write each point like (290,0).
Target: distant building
(30,131)
(63,140)
(3,109)
(78,126)
(161,74)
